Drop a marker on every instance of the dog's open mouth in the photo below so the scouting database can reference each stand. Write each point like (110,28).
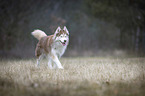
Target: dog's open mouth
(63,43)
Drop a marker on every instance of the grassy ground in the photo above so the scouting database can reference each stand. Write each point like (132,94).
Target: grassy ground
(80,77)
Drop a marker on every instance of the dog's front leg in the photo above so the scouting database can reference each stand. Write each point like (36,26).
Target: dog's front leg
(56,61)
(49,63)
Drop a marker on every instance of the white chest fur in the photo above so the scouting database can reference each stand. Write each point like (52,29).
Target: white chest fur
(58,49)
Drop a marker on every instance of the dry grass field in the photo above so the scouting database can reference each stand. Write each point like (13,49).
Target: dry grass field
(84,76)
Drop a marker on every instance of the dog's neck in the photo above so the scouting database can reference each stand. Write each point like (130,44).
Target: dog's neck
(59,48)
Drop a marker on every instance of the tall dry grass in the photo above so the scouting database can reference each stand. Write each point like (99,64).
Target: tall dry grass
(80,77)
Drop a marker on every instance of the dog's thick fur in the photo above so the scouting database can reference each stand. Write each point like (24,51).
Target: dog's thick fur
(52,46)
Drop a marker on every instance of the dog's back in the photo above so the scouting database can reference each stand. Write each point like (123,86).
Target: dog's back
(44,45)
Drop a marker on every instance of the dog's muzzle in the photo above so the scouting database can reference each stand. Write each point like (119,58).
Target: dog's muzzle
(63,43)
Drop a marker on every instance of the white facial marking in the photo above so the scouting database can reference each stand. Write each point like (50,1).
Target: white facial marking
(63,38)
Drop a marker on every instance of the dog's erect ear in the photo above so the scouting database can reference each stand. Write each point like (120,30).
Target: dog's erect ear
(57,31)
(65,29)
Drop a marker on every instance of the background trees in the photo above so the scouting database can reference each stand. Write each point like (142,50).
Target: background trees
(95,25)
(127,15)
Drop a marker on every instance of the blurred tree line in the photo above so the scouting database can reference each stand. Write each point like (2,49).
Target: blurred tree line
(128,16)
(94,25)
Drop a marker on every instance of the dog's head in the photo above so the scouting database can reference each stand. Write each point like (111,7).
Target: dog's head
(61,36)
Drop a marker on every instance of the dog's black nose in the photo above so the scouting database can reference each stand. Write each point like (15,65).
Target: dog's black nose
(64,40)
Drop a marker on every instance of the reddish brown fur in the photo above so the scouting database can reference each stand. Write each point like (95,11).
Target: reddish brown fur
(44,44)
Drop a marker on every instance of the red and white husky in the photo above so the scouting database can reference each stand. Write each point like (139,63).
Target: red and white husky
(52,46)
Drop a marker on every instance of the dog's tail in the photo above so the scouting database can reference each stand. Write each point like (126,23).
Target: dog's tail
(38,34)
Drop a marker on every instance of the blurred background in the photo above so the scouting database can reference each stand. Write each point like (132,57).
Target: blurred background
(97,27)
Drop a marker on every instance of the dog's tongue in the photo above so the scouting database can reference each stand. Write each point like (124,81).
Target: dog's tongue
(63,44)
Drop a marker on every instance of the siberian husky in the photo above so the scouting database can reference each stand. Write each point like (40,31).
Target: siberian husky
(52,46)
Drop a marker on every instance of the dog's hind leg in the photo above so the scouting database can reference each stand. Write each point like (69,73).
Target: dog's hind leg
(39,59)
